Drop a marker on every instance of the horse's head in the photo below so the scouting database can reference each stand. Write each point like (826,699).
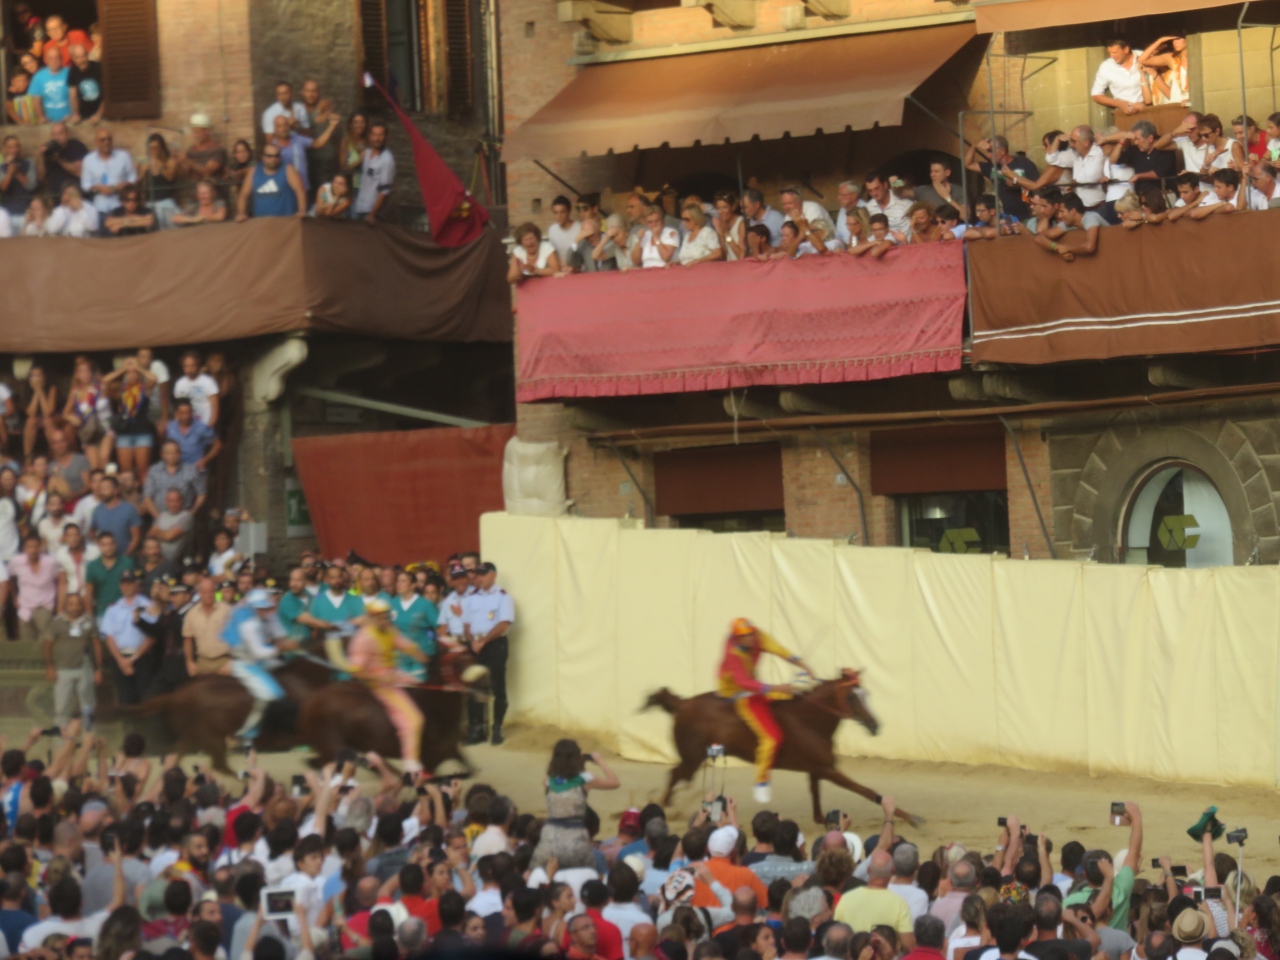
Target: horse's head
(462,667)
(851,700)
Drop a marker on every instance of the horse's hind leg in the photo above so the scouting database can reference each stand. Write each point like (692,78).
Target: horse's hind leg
(680,773)
(814,789)
(840,780)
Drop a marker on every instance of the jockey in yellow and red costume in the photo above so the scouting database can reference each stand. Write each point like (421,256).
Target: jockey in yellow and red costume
(751,697)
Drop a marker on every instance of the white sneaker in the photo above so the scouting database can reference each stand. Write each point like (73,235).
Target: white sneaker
(762,793)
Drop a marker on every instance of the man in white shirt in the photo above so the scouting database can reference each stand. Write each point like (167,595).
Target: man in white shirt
(285,106)
(200,388)
(377,176)
(1226,197)
(307,880)
(809,217)
(105,171)
(1086,163)
(906,861)
(563,232)
(880,199)
(494,839)
(52,524)
(82,516)
(849,197)
(1120,82)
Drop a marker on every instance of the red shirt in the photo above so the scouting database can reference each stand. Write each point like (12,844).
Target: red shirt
(229,834)
(734,876)
(428,911)
(78,37)
(608,938)
(924,953)
(359,922)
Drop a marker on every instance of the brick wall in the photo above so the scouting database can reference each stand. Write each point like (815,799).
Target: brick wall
(821,503)
(1025,534)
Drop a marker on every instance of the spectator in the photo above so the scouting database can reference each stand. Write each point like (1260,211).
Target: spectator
(50,84)
(17,179)
(296,115)
(173,527)
(922,225)
(33,575)
(172,473)
(158,177)
(1169,60)
(351,149)
(58,36)
(73,558)
(240,165)
(6,225)
(153,566)
(126,644)
(1220,152)
(61,160)
(276,188)
(1007,170)
(105,171)
(758,245)
(202,630)
(882,239)
(295,145)
(730,226)
(1120,82)
(1190,192)
(132,217)
(208,207)
(333,202)
(1227,196)
(757,212)
(940,189)
(88,410)
(116,517)
(1136,149)
(906,863)
(702,243)
(881,199)
(948,220)
(1085,159)
(73,661)
(377,177)
(72,218)
(83,513)
(35,222)
(594,251)
(225,559)
(563,232)
(205,159)
(84,81)
(848,199)
(22,106)
(53,523)
(1262,176)
(810,219)
(658,243)
(10,539)
(198,387)
(69,470)
(1244,130)
(532,256)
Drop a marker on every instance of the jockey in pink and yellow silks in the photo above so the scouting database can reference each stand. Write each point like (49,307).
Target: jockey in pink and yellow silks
(372,657)
(751,696)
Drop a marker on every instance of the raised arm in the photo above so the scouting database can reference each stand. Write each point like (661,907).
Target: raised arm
(610,779)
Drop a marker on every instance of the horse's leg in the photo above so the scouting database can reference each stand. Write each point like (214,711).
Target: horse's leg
(814,782)
(839,779)
(680,773)
(217,748)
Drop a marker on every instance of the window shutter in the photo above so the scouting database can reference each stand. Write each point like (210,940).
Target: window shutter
(373,40)
(130,59)
(458,37)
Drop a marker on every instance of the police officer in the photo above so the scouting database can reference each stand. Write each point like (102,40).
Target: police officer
(453,612)
(490,613)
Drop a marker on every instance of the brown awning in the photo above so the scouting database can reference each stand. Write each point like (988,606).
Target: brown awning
(233,280)
(796,88)
(1003,16)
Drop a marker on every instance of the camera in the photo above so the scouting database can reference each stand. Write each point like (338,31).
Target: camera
(1238,836)
(1002,821)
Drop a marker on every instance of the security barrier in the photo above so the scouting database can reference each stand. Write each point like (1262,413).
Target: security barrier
(1047,665)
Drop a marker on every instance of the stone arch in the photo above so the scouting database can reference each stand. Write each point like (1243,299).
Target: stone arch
(1117,463)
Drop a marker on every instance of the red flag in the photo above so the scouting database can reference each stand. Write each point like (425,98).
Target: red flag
(454,215)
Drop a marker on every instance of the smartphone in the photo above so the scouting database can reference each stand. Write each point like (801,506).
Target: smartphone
(297,785)
(1118,813)
(1213,893)
(1030,840)
(1002,821)
(1197,896)
(715,810)
(1178,871)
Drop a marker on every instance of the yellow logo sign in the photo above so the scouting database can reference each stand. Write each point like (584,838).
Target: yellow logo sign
(960,540)
(1173,533)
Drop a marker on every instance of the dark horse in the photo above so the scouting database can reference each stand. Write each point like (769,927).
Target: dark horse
(206,710)
(808,724)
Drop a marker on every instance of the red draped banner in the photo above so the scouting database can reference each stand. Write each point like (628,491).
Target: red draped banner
(718,326)
(404,496)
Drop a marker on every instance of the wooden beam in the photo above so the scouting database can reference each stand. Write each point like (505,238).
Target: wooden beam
(1180,374)
(750,408)
(799,401)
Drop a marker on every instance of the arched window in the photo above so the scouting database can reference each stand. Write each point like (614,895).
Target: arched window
(1176,518)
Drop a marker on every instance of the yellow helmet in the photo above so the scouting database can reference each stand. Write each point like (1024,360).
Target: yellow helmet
(742,627)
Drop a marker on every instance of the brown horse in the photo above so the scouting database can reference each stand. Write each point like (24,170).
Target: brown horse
(808,725)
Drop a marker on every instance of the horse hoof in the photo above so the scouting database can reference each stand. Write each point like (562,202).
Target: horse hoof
(915,821)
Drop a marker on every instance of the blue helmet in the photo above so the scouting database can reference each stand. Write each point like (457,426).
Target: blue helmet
(259,599)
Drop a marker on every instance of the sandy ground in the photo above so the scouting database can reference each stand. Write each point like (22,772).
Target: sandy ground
(958,802)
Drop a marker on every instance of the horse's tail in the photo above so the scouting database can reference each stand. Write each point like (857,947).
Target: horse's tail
(663,698)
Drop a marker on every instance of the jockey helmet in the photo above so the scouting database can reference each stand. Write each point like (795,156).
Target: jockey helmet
(259,599)
(742,627)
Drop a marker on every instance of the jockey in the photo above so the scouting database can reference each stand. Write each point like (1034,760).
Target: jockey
(372,658)
(751,697)
(256,638)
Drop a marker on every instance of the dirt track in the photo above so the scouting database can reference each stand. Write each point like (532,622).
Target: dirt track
(958,802)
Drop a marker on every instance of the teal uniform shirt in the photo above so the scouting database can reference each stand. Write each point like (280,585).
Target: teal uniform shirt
(418,623)
(291,607)
(347,608)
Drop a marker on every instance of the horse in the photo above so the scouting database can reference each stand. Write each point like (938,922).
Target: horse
(808,725)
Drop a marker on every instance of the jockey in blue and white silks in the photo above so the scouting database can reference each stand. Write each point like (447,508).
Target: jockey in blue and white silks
(256,638)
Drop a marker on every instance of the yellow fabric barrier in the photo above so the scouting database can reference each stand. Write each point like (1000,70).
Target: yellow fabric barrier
(1052,665)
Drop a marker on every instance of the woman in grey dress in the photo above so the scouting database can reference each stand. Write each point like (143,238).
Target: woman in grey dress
(564,834)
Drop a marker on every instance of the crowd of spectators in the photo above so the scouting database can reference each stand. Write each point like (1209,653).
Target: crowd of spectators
(107,857)
(305,167)
(1127,178)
